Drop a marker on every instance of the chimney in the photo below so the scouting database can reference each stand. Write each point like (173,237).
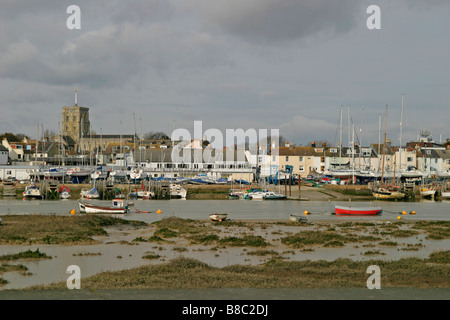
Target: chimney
(313,144)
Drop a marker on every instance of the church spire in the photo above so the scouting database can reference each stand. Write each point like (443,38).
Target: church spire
(76,96)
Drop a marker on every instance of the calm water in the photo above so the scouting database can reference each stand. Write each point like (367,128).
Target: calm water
(54,270)
(236,209)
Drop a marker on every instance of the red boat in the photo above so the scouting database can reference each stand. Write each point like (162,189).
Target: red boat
(348,210)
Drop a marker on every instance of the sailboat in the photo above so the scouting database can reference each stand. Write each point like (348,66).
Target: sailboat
(387,192)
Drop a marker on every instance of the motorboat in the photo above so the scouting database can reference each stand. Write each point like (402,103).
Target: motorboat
(118,206)
(32,191)
(270,195)
(177,191)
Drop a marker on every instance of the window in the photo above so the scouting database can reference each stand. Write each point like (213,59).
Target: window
(301,168)
(322,159)
(300,158)
(287,158)
(409,159)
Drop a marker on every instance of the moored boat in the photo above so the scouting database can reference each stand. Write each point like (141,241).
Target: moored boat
(356,210)
(427,192)
(90,193)
(118,206)
(297,218)
(388,192)
(270,195)
(177,191)
(64,192)
(218,216)
(32,191)
(445,194)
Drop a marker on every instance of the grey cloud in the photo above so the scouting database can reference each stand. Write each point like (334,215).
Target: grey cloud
(268,21)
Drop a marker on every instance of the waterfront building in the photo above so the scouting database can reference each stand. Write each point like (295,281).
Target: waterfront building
(4,155)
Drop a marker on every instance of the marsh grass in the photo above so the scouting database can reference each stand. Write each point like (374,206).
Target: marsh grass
(325,238)
(56,229)
(276,273)
(29,254)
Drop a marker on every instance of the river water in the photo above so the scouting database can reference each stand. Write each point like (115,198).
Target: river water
(237,209)
(54,270)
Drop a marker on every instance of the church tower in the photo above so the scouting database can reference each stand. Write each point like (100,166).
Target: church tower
(75,121)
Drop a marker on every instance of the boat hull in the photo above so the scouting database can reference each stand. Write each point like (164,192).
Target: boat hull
(343,210)
(91,208)
(445,194)
(387,194)
(427,193)
(295,218)
(218,216)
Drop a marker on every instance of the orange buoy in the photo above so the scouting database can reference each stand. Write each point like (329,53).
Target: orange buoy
(72,211)
(158,212)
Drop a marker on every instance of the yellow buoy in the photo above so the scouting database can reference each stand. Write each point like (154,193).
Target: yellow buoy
(412,212)
(399,217)
(158,212)
(306,212)
(72,211)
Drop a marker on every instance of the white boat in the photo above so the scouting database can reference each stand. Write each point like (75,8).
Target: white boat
(427,192)
(32,191)
(145,194)
(177,191)
(257,195)
(78,172)
(54,173)
(270,195)
(218,216)
(445,194)
(99,174)
(90,193)
(118,206)
(136,174)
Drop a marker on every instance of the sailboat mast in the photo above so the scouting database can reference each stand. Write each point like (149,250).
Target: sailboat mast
(401,124)
(340,138)
(384,144)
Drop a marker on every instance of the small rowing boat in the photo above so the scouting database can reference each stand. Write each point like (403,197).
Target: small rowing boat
(297,218)
(218,216)
(350,210)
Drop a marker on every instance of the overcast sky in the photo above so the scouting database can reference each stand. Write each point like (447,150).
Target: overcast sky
(261,64)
